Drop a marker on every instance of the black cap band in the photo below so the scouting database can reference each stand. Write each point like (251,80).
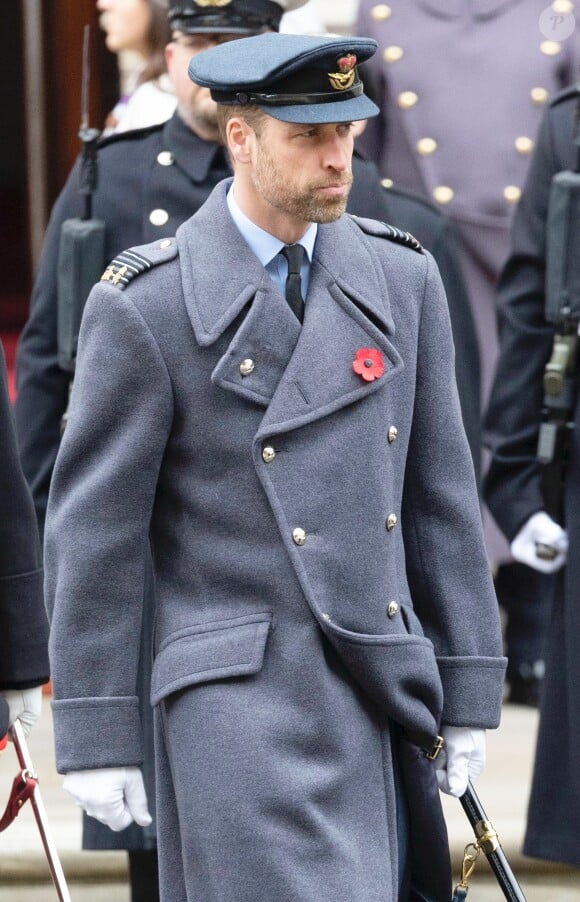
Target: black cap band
(244,97)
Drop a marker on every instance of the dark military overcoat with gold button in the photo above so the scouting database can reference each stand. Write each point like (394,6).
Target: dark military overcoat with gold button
(319,578)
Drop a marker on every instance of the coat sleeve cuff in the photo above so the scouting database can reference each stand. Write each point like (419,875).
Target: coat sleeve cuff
(97,732)
(472,691)
(24,659)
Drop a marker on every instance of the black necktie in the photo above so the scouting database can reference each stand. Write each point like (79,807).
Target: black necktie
(294,254)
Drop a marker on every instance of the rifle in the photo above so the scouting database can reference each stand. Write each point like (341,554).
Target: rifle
(81,257)
(562,308)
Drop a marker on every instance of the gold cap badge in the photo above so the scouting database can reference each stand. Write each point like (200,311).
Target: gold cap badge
(344,79)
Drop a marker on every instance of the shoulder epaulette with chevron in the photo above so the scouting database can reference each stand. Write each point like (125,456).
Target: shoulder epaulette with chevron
(131,263)
(566,94)
(392,233)
(124,268)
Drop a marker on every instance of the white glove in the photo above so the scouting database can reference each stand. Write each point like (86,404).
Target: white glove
(25,705)
(462,758)
(113,795)
(540,530)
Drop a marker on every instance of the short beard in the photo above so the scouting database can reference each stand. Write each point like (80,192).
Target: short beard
(303,204)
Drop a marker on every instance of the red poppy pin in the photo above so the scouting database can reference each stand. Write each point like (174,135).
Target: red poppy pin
(368,364)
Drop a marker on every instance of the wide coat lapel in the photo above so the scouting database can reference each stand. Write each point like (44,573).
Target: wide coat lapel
(300,373)
(341,316)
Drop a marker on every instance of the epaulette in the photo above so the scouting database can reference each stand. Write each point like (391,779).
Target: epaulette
(392,233)
(566,94)
(131,263)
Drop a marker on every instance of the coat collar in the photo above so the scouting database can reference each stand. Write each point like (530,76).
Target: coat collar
(480,9)
(192,154)
(300,374)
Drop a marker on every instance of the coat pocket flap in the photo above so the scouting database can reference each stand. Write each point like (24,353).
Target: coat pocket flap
(210,651)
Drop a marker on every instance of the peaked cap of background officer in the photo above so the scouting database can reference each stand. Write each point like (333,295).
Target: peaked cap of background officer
(292,77)
(229,16)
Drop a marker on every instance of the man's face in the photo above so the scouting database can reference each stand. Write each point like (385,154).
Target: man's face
(303,171)
(195,105)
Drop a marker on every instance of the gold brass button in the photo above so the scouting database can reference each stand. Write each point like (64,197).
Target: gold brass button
(158,217)
(391,521)
(392,609)
(407,100)
(539,96)
(393,54)
(268,454)
(165,158)
(426,146)
(247,366)
(381,12)
(443,194)
(550,48)
(512,194)
(299,536)
(524,145)
(562,7)
(387,183)
(392,434)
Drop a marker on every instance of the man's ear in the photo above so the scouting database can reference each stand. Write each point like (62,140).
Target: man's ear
(240,138)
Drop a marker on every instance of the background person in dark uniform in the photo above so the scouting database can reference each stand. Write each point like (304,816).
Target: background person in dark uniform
(150,182)
(23,623)
(513,489)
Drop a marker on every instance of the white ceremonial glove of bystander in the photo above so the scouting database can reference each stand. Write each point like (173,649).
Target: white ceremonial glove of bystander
(462,758)
(113,795)
(541,544)
(25,705)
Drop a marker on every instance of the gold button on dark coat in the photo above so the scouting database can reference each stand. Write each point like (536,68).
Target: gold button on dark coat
(524,145)
(299,536)
(392,434)
(443,194)
(407,100)
(539,96)
(391,521)
(393,53)
(392,608)
(268,454)
(381,12)
(426,146)
(247,366)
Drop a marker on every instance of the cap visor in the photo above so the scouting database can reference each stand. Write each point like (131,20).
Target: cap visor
(319,113)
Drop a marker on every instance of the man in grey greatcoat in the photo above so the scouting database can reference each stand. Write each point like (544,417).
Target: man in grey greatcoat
(327,647)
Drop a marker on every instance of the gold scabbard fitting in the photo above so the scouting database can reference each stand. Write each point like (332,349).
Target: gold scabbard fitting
(487,838)
(435,748)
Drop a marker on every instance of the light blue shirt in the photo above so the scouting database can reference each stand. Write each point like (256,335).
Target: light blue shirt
(267,247)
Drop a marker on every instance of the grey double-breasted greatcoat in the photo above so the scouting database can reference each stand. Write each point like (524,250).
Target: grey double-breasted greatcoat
(318,575)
